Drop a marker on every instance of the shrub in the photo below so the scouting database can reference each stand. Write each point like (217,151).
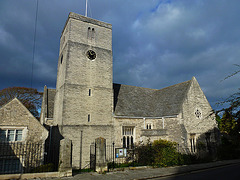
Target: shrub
(165,153)
(44,168)
(144,154)
(229,149)
(201,146)
(161,153)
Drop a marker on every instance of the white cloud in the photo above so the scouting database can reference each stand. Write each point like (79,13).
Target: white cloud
(5,37)
(197,34)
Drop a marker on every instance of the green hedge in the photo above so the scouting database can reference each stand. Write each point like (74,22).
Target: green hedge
(162,153)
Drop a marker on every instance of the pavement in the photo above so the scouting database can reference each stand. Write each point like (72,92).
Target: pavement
(142,173)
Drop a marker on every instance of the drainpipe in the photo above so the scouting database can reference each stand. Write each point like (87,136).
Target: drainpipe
(144,119)
(163,123)
(80,162)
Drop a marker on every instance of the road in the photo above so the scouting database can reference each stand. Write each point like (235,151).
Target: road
(230,172)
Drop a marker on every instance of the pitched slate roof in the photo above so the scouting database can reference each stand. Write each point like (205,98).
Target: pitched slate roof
(143,102)
(135,101)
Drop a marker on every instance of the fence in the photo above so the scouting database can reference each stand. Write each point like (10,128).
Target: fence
(162,154)
(93,156)
(17,157)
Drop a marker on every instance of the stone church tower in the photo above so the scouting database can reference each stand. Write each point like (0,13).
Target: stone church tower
(84,94)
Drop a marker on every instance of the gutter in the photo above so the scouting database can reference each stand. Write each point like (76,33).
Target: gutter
(131,117)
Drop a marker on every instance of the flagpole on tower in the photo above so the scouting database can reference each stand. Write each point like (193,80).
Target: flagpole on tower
(86,8)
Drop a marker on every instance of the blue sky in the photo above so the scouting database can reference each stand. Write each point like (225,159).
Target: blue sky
(156,43)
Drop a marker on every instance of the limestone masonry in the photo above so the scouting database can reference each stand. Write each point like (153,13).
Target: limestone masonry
(87,105)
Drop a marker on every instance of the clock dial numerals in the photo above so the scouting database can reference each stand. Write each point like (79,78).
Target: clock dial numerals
(91,54)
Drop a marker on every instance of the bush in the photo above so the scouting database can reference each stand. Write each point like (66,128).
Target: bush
(201,146)
(162,153)
(77,171)
(165,153)
(187,159)
(44,168)
(229,149)
(144,154)
(118,165)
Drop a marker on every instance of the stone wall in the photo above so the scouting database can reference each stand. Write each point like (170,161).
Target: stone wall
(89,134)
(84,95)
(197,114)
(14,115)
(164,128)
(47,108)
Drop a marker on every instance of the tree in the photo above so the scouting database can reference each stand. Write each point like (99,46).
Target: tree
(227,123)
(30,98)
(233,102)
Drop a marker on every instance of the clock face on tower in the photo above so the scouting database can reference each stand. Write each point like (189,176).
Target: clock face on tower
(91,54)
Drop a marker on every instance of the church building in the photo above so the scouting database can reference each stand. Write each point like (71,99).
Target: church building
(86,104)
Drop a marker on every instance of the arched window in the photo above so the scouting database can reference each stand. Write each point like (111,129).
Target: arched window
(124,142)
(193,142)
(127,136)
(149,126)
(128,142)
(93,34)
(132,142)
(89,33)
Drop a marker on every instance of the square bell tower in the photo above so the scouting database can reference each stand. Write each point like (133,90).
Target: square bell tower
(84,94)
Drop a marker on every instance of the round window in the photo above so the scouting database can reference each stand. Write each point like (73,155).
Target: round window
(198,113)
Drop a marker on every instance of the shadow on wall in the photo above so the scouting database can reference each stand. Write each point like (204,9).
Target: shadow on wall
(52,146)
(10,156)
(206,146)
(211,146)
(116,89)
(18,156)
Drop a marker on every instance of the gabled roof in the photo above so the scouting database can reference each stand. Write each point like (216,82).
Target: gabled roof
(24,109)
(134,101)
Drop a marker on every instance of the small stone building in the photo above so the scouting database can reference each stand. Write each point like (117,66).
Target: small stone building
(88,105)
(22,138)
(18,124)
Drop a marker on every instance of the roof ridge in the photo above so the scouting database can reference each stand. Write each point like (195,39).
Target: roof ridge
(174,85)
(9,100)
(155,89)
(136,86)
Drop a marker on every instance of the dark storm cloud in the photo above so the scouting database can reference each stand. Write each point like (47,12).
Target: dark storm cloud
(156,43)
(182,39)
